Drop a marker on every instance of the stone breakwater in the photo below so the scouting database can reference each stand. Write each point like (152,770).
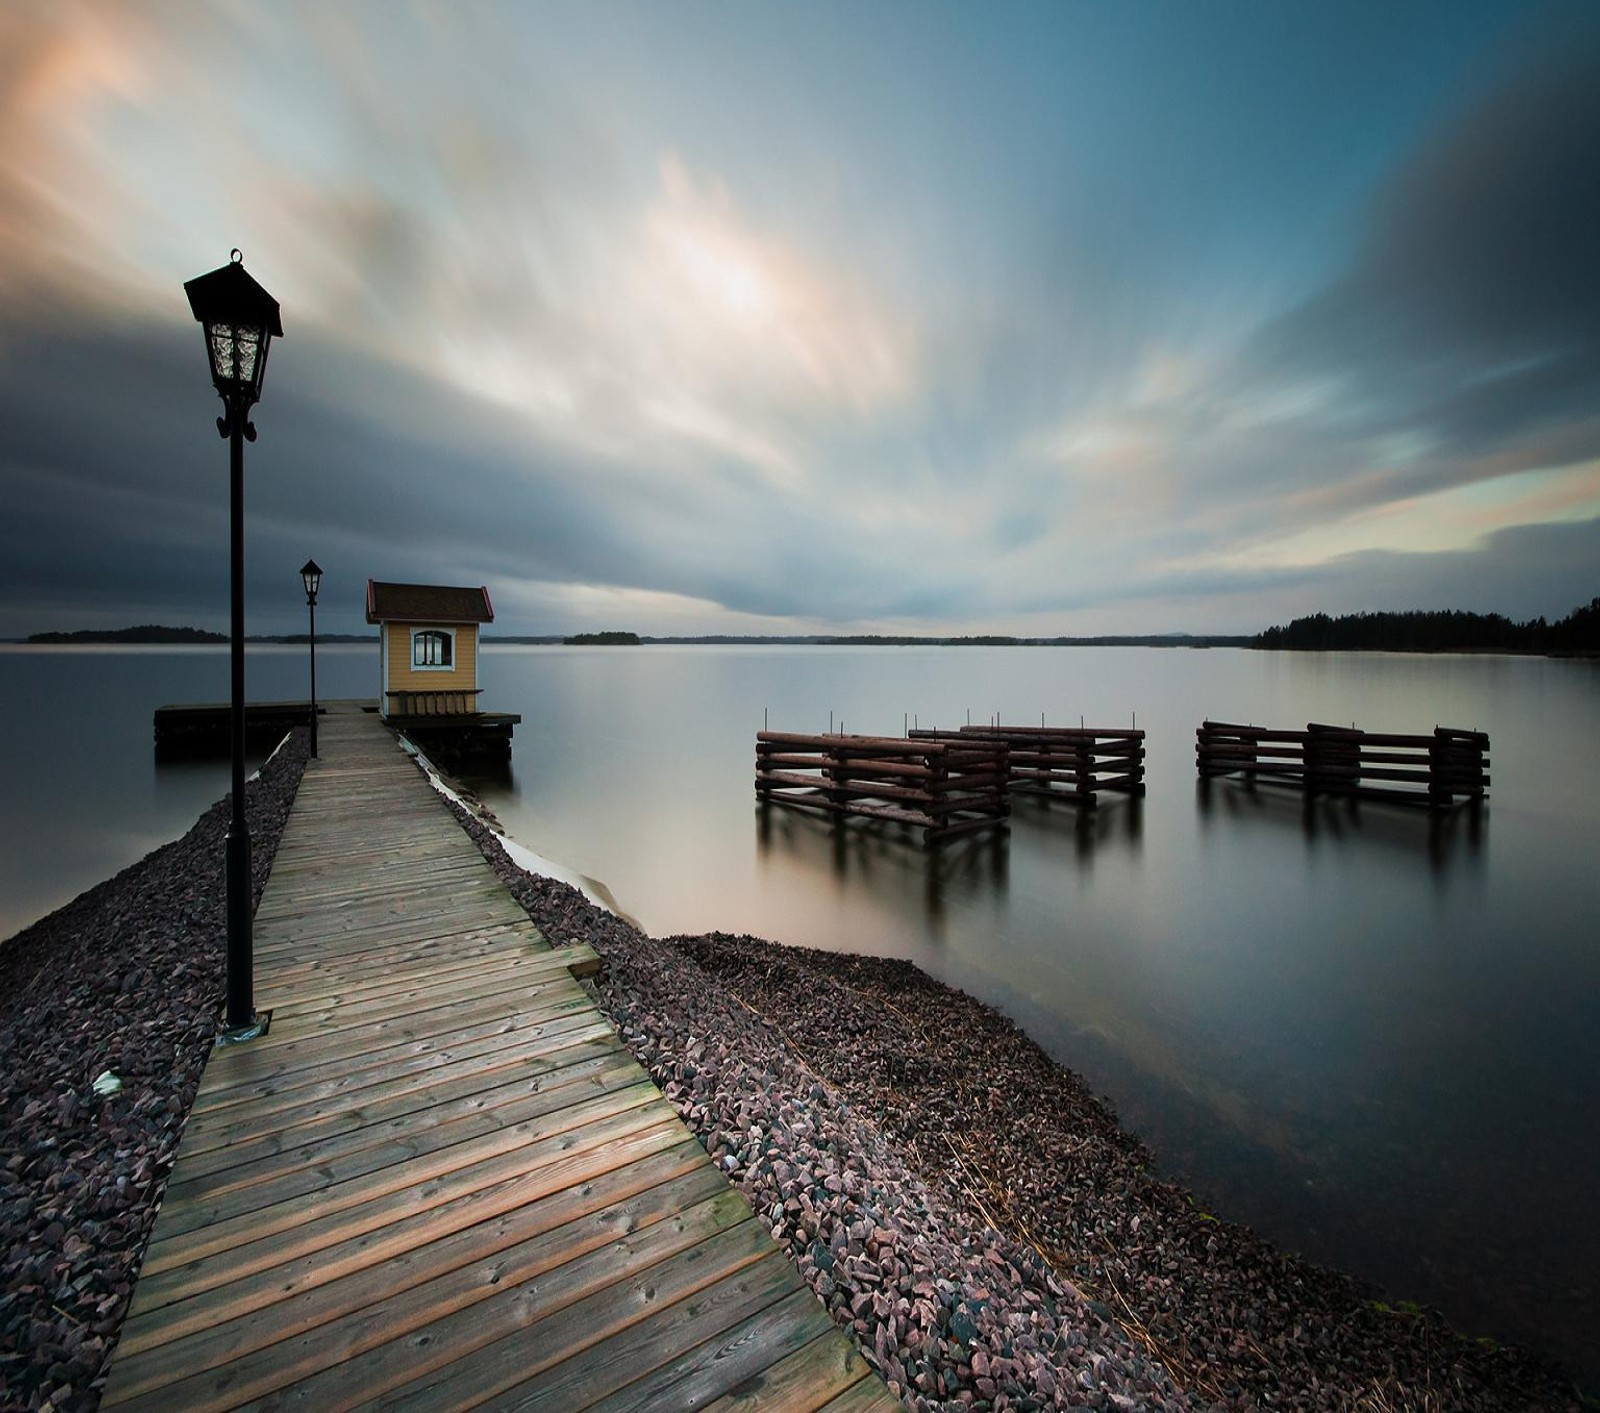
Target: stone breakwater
(969,1210)
(126,979)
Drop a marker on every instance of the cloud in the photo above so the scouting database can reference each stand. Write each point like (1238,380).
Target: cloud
(1441,387)
(405,478)
(1470,318)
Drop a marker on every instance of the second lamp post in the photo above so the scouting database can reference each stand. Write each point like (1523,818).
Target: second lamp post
(311,577)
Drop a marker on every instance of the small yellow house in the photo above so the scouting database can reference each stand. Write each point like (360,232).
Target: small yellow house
(427,647)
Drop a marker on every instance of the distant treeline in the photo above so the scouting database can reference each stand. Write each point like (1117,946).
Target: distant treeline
(155,633)
(145,633)
(1441,632)
(609,639)
(912,640)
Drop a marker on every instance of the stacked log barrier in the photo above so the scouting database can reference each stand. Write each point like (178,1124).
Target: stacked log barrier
(1440,770)
(1062,763)
(946,788)
(1458,765)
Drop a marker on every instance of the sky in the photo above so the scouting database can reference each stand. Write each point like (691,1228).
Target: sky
(1066,317)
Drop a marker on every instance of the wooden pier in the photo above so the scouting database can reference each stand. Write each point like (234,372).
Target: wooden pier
(203,729)
(944,788)
(439,1181)
(1441,770)
(1062,763)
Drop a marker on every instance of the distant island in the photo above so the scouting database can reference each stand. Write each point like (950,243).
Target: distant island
(144,633)
(605,640)
(1436,632)
(148,633)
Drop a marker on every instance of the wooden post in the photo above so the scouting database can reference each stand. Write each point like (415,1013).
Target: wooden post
(938,777)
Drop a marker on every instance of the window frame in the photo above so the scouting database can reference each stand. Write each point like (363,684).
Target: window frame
(447,635)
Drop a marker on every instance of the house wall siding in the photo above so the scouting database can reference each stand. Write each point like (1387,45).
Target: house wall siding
(463,676)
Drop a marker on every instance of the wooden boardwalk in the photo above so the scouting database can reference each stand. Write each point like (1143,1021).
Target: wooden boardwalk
(440,1181)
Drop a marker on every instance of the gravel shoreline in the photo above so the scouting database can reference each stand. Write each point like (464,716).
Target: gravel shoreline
(964,1206)
(973,1214)
(126,978)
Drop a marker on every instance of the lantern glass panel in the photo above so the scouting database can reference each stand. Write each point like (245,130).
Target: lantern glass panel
(237,353)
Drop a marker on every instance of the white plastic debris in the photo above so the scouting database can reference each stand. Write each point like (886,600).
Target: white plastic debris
(107,1083)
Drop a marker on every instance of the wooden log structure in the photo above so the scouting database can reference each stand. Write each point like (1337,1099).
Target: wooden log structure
(462,738)
(945,788)
(454,701)
(1441,770)
(205,729)
(1062,763)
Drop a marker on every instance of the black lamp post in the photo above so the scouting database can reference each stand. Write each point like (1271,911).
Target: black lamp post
(311,577)
(240,320)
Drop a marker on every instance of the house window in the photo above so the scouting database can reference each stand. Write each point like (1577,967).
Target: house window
(432,647)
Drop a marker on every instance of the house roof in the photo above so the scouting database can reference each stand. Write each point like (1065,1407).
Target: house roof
(427,603)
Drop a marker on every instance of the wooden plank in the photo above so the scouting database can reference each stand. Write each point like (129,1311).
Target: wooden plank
(253,1315)
(880,745)
(761,1339)
(683,1354)
(532,957)
(318,989)
(301,956)
(394,1164)
(595,1312)
(290,1049)
(245,1161)
(475,1195)
(803,1382)
(224,1127)
(467,1167)
(529,1305)
(344,1074)
(868,1396)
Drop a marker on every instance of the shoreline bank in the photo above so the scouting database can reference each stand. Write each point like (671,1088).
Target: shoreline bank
(961,1203)
(1092,1277)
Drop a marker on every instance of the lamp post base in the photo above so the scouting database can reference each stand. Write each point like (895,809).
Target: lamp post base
(239,1034)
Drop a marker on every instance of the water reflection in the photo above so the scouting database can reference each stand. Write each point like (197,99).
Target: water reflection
(888,858)
(483,775)
(1453,841)
(1117,825)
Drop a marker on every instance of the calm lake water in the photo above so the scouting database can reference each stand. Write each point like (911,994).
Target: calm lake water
(1374,1037)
